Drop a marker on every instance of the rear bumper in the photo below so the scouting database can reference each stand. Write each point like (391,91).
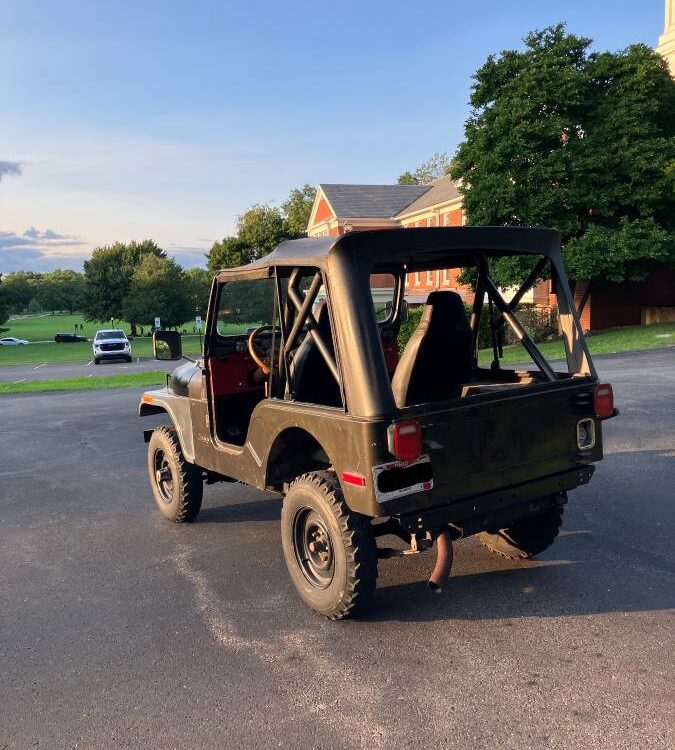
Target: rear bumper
(496,510)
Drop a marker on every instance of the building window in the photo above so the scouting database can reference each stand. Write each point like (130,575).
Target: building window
(431,221)
(417,278)
(446,219)
(446,276)
(430,277)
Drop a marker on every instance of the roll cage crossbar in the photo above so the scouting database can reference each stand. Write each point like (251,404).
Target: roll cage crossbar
(291,325)
(485,285)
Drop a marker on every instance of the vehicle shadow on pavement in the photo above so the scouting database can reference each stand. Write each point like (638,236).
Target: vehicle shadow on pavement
(259,509)
(576,585)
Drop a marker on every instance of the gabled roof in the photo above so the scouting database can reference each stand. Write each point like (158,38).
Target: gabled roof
(370,201)
(442,190)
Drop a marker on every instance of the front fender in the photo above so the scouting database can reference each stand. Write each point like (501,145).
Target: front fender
(178,409)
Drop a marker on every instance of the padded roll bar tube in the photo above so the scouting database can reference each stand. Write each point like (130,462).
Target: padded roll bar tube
(518,329)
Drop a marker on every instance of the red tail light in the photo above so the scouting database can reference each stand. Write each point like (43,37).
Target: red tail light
(407,440)
(603,400)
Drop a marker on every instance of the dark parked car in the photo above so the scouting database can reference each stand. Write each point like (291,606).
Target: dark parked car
(63,338)
(362,445)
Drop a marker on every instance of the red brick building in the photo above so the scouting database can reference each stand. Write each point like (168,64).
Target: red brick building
(345,208)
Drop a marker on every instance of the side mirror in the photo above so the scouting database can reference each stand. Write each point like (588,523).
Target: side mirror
(405,312)
(167,345)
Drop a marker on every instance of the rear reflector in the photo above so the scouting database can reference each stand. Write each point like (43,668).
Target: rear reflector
(357,479)
(603,400)
(407,440)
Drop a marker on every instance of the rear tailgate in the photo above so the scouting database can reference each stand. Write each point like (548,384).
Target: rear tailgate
(488,443)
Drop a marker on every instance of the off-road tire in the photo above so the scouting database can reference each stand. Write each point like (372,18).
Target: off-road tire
(179,499)
(526,537)
(353,548)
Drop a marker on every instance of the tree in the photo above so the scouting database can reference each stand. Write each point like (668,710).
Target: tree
(198,281)
(230,252)
(581,141)
(61,289)
(108,275)
(262,228)
(20,289)
(4,301)
(434,167)
(158,288)
(297,209)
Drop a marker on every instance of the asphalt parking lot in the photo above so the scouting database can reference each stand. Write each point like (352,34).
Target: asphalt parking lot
(120,630)
(59,370)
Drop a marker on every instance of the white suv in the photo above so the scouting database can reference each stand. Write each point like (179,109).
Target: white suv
(111,344)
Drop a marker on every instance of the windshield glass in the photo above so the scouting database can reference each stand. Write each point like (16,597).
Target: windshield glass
(110,335)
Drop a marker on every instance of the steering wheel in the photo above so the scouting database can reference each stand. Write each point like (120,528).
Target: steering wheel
(256,354)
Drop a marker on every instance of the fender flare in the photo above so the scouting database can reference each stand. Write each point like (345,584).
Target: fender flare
(178,409)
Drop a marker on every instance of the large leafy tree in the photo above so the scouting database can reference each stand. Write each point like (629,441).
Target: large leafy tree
(297,209)
(584,142)
(198,287)
(108,275)
(262,228)
(61,289)
(4,301)
(434,167)
(20,288)
(158,287)
(229,252)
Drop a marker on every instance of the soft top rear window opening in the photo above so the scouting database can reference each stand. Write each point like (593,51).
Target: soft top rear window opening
(489,304)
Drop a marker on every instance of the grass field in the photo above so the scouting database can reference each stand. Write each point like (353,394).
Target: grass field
(41,329)
(633,338)
(138,379)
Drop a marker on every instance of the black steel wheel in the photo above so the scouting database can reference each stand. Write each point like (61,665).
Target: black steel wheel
(176,484)
(526,537)
(330,551)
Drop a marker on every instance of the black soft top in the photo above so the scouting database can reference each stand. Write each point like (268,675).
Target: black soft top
(418,247)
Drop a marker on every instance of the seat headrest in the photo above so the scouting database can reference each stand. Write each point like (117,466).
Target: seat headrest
(443,306)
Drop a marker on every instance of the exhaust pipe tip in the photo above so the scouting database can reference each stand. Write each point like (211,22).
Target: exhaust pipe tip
(443,562)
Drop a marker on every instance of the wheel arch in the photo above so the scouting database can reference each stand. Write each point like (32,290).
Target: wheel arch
(178,410)
(294,451)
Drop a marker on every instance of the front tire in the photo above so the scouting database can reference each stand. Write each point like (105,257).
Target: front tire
(330,551)
(176,484)
(97,361)
(526,537)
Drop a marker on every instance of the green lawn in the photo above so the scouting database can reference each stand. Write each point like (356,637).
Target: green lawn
(615,340)
(42,328)
(137,379)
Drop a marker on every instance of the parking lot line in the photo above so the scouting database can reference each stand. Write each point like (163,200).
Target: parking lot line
(37,367)
(90,362)
(20,381)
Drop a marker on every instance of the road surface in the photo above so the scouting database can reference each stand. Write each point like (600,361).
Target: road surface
(60,370)
(120,630)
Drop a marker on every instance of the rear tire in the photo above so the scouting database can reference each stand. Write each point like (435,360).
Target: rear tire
(330,551)
(526,537)
(176,484)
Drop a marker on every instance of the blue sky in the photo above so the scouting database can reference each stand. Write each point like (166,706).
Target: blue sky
(168,119)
